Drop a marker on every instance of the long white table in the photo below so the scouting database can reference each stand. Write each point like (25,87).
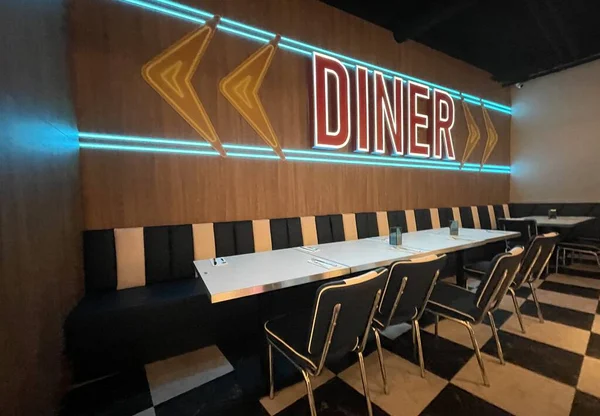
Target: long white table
(250,274)
(558,222)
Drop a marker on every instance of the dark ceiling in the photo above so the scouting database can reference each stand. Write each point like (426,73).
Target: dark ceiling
(514,40)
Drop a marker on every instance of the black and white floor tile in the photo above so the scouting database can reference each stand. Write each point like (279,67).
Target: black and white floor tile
(552,369)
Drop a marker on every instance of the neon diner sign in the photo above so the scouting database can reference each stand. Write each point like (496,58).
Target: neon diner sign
(384,121)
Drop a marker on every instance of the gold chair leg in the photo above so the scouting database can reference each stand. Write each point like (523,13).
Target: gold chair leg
(309,391)
(271,382)
(513,295)
(495,332)
(537,303)
(486,382)
(420,347)
(363,374)
(414,337)
(381,363)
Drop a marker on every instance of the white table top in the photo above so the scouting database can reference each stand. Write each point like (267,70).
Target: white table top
(255,273)
(559,222)
(359,256)
(249,274)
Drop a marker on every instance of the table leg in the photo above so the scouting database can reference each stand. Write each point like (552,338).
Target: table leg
(461,280)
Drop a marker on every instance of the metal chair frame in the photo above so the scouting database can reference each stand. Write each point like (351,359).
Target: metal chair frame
(307,374)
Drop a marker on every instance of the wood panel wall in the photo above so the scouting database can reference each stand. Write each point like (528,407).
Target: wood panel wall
(110,44)
(40,206)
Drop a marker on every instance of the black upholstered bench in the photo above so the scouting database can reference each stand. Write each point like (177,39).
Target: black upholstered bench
(144,304)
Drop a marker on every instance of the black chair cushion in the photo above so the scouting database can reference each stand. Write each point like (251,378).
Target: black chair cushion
(423,219)
(478,269)
(289,333)
(455,302)
(446,216)
(521,210)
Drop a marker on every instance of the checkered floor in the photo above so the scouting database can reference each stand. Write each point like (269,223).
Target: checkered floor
(553,369)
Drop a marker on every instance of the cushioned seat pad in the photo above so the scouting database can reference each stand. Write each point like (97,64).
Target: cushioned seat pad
(119,300)
(290,334)
(453,301)
(140,325)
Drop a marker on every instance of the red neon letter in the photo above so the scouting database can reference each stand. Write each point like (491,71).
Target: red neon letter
(362,109)
(416,120)
(326,70)
(388,118)
(443,121)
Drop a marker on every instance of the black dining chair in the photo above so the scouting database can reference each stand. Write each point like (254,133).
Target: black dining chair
(338,323)
(589,247)
(467,308)
(535,259)
(408,287)
(527,228)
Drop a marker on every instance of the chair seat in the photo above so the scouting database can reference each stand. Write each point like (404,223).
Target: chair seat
(289,333)
(400,317)
(454,302)
(479,268)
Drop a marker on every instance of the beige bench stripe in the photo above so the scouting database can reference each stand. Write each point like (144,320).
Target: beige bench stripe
(382,223)
(204,241)
(456,215)
(309,231)
(492,217)
(350,231)
(476,220)
(262,235)
(131,266)
(411,222)
(435,218)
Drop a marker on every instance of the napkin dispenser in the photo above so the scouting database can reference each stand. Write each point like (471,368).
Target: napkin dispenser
(453,227)
(552,214)
(395,236)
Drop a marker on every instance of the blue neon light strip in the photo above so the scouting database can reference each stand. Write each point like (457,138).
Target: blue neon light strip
(501,110)
(472,97)
(468,100)
(146,5)
(191,143)
(195,15)
(502,106)
(101,141)
(389,159)
(147,149)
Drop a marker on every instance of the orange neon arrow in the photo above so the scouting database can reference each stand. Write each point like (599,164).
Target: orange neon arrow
(241,87)
(492,137)
(474,135)
(170,74)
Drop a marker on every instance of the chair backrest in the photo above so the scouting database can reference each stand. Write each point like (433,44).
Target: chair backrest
(408,287)
(495,283)
(357,298)
(548,243)
(527,228)
(536,256)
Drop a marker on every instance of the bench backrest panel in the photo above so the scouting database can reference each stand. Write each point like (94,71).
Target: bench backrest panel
(130,257)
